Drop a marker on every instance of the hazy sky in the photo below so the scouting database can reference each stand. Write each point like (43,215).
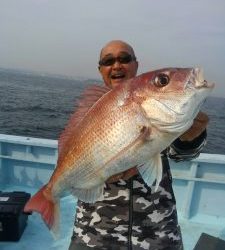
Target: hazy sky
(65,36)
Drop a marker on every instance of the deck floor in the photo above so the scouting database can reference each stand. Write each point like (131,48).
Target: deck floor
(36,235)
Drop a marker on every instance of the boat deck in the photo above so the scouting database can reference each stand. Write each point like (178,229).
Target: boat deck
(199,185)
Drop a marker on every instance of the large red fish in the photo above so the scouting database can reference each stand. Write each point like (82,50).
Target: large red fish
(114,130)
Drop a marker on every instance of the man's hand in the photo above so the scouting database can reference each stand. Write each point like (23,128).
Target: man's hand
(198,126)
(124,175)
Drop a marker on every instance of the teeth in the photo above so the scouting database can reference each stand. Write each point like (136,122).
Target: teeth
(197,77)
(117,76)
(198,80)
(199,74)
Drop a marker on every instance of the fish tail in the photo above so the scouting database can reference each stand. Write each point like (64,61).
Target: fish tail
(43,203)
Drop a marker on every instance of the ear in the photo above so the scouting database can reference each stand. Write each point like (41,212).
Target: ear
(136,66)
(136,62)
(99,68)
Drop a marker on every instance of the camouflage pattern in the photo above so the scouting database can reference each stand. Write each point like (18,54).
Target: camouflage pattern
(131,216)
(180,151)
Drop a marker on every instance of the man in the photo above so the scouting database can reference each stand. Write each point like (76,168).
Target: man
(131,215)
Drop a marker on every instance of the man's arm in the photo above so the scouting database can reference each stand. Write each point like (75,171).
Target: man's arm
(190,144)
(186,150)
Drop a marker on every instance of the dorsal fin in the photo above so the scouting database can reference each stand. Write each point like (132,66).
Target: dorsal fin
(89,97)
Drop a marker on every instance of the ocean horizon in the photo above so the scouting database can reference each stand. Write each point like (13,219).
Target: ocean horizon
(39,105)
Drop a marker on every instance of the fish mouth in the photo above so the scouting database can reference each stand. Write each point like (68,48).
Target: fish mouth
(197,81)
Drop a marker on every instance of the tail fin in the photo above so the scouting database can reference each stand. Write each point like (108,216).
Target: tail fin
(48,209)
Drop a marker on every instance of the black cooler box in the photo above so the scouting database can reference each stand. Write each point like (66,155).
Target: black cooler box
(12,218)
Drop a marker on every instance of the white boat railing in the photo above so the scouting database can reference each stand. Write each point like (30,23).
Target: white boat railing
(199,184)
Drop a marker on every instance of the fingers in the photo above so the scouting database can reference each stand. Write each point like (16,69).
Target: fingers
(124,175)
(115,178)
(199,125)
(202,118)
(130,173)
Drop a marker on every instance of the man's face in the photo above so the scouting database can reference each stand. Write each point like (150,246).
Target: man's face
(117,63)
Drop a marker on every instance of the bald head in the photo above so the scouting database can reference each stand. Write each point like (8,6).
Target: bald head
(117,43)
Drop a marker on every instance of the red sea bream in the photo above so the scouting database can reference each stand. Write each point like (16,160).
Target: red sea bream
(114,130)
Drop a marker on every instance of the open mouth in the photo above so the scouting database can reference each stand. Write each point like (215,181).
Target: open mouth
(117,76)
(196,80)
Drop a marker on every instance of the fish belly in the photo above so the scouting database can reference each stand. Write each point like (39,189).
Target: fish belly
(105,151)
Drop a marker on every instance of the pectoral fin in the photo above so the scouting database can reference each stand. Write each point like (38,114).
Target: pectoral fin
(88,195)
(151,171)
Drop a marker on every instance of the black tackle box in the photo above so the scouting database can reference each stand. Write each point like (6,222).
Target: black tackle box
(209,242)
(12,218)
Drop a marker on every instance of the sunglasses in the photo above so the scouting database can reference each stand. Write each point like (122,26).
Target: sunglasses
(123,59)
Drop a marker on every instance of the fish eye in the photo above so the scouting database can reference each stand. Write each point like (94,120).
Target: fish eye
(161,80)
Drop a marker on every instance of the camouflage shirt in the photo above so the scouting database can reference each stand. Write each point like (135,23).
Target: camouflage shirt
(132,215)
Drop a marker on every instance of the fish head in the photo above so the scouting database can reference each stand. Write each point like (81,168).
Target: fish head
(171,97)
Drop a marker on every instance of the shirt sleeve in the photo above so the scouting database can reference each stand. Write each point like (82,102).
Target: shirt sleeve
(185,150)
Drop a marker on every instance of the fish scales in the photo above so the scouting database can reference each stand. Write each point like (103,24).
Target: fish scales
(98,144)
(114,130)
